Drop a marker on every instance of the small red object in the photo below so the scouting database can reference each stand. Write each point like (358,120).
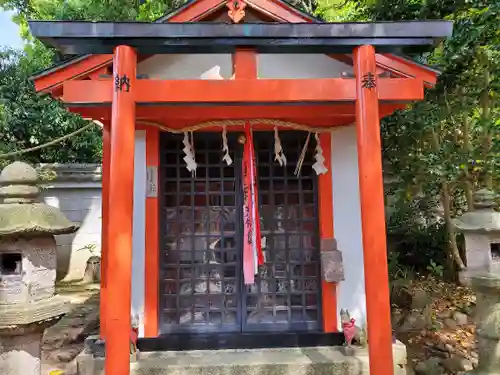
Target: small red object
(349,329)
(134,335)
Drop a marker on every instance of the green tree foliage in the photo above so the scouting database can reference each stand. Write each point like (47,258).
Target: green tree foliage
(28,119)
(442,149)
(447,146)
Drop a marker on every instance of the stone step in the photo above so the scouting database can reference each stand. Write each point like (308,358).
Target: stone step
(283,361)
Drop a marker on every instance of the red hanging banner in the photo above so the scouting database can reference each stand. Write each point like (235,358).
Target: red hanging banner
(255,198)
(249,269)
(252,246)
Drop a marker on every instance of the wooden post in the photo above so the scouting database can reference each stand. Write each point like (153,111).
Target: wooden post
(121,196)
(152,261)
(244,63)
(106,156)
(372,213)
(325,192)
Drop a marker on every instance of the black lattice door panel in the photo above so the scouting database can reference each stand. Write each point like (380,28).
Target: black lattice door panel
(202,286)
(201,257)
(286,295)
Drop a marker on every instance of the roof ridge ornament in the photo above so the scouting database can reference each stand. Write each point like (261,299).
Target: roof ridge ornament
(236,10)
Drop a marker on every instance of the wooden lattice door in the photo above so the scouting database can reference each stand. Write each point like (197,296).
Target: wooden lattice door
(201,272)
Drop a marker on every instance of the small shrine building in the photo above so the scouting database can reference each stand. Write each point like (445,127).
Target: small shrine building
(241,147)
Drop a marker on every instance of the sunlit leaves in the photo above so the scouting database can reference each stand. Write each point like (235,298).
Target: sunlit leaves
(28,119)
(452,137)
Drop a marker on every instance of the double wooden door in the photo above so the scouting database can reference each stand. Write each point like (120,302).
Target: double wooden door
(201,273)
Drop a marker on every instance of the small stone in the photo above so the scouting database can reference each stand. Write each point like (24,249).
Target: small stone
(437,350)
(458,363)
(67,355)
(421,368)
(474,355)
(443,314)
(437,325)
(460,318)
(76,337)
(420,299)
(63,356)
(429,367)
(474,362)
(75,323)
(450,323)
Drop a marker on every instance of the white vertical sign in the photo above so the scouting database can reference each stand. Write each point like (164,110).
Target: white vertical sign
(152,182)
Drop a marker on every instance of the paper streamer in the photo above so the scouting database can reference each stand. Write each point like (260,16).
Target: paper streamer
(319,166)
(279,155)
(225,148)
(188,150)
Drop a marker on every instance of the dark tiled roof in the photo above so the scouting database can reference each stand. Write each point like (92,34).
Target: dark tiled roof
(179,9)
(57,66)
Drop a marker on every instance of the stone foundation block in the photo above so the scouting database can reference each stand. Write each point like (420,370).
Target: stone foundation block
(296,361)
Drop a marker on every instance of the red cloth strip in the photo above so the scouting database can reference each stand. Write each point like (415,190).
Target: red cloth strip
(255,192)
(248,258)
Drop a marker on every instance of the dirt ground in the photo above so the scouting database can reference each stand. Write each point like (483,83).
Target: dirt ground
(64,341)
(439,331)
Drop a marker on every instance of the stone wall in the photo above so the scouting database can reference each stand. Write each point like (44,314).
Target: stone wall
(76,190)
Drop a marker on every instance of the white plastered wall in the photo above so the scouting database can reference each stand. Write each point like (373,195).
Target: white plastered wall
(347,222)
(299,66)
(139,229)
(81,203)
(270,66)
(187,66)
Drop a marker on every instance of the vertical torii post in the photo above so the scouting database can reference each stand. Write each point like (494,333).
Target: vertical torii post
(121,195)
(106,156)
(372,213)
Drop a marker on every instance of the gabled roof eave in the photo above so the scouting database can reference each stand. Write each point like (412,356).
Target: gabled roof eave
(306,17)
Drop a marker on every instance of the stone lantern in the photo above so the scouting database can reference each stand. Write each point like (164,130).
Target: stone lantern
(28,303)
(481,229)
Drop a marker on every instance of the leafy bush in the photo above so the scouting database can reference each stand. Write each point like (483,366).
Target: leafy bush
(416,237)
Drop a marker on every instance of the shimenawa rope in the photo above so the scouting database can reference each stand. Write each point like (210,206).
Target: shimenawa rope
(193,128)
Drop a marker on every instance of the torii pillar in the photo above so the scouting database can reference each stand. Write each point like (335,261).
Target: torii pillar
(371,188)
(121,195)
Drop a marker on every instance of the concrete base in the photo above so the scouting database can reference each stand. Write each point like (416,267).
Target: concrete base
(296,361)
(20,354)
